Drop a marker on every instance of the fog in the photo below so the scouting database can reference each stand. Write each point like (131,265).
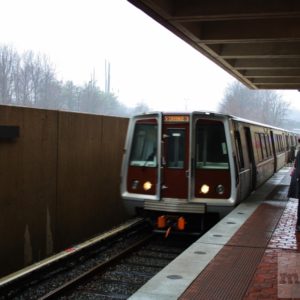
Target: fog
(148,63)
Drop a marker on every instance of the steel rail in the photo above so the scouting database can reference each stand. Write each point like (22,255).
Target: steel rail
(93,271)
(20,275)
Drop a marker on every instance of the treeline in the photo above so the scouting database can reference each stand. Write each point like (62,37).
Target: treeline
(264,106)
(30,80)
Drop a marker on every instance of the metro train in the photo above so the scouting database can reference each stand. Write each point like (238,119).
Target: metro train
(179,167)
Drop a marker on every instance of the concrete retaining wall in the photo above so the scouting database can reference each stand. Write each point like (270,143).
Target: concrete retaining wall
(59,182)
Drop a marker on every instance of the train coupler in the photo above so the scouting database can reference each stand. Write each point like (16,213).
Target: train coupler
(170,222)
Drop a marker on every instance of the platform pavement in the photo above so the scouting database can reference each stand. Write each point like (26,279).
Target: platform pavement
(238,258)
(267,282)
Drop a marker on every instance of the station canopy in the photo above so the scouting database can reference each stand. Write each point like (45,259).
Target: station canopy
(256,41)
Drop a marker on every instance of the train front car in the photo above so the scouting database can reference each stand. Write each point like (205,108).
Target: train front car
(177,167)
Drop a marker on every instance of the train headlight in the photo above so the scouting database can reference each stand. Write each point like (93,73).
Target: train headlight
(220,189)
(204,189)
(135,184)
(147,185)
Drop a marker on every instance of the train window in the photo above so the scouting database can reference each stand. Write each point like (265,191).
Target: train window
(263,146)
(258,147)
(280,146)
(238,145)
(211,147)
(175,148)
(268,146)
(287,144)
(278,143)
(292,141)
(144,147)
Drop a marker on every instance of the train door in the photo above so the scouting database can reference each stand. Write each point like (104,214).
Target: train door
(251,156)
(175,153)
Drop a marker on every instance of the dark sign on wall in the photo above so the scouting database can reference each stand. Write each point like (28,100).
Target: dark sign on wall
(9,132)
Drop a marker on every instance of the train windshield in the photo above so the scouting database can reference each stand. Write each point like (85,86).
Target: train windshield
(211,147)
(144,147)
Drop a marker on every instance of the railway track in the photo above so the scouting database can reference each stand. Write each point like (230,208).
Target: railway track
(114,269)
(95,271)
(127,273)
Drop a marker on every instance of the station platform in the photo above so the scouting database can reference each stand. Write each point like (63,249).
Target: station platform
(252,253)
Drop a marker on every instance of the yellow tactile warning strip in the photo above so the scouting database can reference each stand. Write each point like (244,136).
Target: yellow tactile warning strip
(230,273)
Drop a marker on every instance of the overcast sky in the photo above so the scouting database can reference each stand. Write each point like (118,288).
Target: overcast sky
(148,63)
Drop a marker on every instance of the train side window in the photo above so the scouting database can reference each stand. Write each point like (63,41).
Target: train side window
(292,141)
(268,146)
(238,145)
(144,147)
(278,142)
(277,147)
(263,146)
(175,148)
(287,144)
(264,136)
(271,141)
(211,146)
(258,146)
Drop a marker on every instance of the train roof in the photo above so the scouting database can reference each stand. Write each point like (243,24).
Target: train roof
(208,113)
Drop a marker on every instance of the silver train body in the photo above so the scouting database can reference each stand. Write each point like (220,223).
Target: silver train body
(200,162)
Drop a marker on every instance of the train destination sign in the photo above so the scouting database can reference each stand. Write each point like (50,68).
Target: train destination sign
(176,118)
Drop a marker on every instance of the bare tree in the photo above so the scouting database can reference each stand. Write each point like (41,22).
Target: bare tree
(30,80)
(49,87)
(69,97)
(36,77)
(25,79)
(274,108)
(262,106)
(8,58)
(16,98)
